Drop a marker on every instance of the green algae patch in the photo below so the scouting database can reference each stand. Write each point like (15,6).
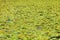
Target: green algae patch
(29,19)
